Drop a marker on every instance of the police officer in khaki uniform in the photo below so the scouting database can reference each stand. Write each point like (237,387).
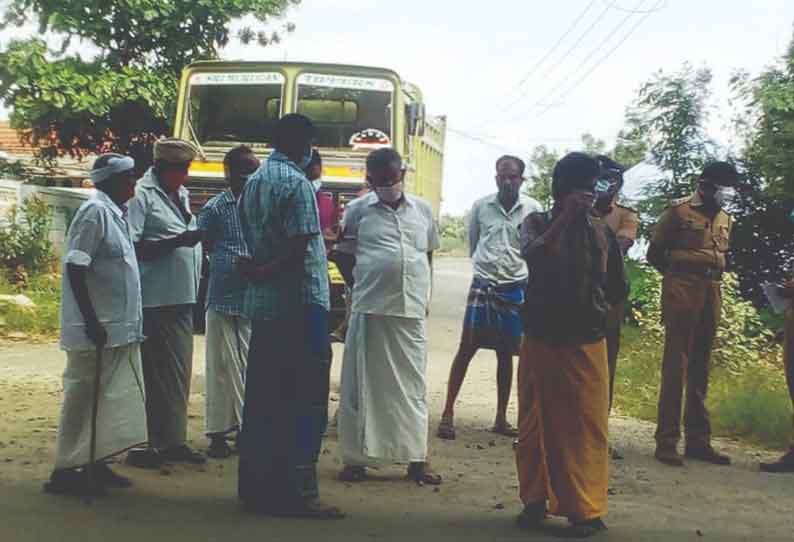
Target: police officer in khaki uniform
(624,223)
(689,248)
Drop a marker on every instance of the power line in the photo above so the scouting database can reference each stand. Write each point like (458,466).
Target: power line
(592,54)
(550,52)
(604,58)
(658,7)
(567,53)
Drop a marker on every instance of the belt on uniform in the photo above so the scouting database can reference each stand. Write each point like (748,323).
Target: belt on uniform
(712,273)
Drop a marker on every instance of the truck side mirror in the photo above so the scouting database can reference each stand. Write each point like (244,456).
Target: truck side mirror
(415,116)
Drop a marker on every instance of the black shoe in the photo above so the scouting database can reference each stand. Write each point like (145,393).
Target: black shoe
(669,457)
(615,454)
(110,479)
(219,449)
(708,455)
(183,454)
(784,464)
(144,458)
(73,482)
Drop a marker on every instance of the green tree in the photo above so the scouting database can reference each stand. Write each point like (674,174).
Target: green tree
(669,117)
(541,168)
(763,236)
(593,145)
(124,97)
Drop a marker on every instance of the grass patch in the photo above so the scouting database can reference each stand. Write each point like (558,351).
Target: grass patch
(753,405)
(453,246)
(39,323)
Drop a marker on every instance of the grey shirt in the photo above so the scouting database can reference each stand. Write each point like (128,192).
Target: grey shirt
(494,240)
(172,279)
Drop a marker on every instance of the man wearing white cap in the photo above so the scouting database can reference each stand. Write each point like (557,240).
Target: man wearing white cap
(167,243)
(101,322)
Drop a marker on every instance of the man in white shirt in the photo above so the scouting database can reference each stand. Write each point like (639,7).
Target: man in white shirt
(390,237)
(100,317)
(493,319)
(167,243)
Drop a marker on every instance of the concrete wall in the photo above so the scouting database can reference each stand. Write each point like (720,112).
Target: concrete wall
(64,202)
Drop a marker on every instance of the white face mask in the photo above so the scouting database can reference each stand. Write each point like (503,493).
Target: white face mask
(318,184)
(390,194)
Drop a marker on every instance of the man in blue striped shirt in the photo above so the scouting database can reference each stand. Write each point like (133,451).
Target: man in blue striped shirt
(286,387)
(227,331)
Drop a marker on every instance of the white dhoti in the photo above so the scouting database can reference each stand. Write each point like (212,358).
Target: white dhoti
(383,405)
(121,417)
(227,354)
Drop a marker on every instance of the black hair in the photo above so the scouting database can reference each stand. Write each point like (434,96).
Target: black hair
(293,133)
(721,173)
(574,171)
(610,169)
(234,156)
(518,161)
(383,158)
(316,160)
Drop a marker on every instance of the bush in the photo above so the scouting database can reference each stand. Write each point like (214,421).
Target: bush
(40,322)
(25,246)
(743,339)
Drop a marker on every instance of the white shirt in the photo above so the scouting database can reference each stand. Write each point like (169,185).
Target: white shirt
(392,272)
(99,239)
(172,279)
(494,240)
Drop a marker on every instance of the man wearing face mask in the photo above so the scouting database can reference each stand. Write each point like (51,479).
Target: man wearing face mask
(167,244)
(689,247)
(493,311)
(624,223)
(390,237)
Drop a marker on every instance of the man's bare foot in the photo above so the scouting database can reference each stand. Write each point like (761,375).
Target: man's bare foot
(422,474)
(446,429)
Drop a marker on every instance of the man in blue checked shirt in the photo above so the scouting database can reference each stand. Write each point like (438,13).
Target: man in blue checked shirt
(228,331)
(286,386)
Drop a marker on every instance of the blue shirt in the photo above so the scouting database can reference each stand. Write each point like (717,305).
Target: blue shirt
(278,204)
(220,220)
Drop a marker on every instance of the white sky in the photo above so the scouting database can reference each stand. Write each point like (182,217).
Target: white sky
(469,60)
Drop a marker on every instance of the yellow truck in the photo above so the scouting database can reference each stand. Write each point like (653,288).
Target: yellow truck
(355,109)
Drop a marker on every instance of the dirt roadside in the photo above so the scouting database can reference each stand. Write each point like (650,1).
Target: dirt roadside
(478,500)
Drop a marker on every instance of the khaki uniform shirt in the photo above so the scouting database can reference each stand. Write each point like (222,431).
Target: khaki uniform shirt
(686,235)
(623,221)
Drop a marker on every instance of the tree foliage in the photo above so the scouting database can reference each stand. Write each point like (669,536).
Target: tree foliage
(541,167)
(124,97)
(670,116)
(742,338)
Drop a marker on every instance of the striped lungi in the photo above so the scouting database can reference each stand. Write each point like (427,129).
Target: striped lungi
(493,316)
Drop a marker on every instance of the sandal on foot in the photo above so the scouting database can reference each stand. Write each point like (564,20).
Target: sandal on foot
(505,430)
(219,449)
(446,430)
(74,483)
(422,474)
(353,474)
(585,529)
(532,516)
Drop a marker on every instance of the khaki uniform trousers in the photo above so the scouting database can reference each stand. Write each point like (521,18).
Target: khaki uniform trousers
(691,308)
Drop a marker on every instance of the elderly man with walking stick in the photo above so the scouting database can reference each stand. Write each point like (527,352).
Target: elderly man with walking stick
(103,410)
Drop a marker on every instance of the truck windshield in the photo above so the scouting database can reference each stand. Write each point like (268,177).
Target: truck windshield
(347,111)
(234,107)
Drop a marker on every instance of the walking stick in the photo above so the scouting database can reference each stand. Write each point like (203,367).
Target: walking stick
(90,471)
